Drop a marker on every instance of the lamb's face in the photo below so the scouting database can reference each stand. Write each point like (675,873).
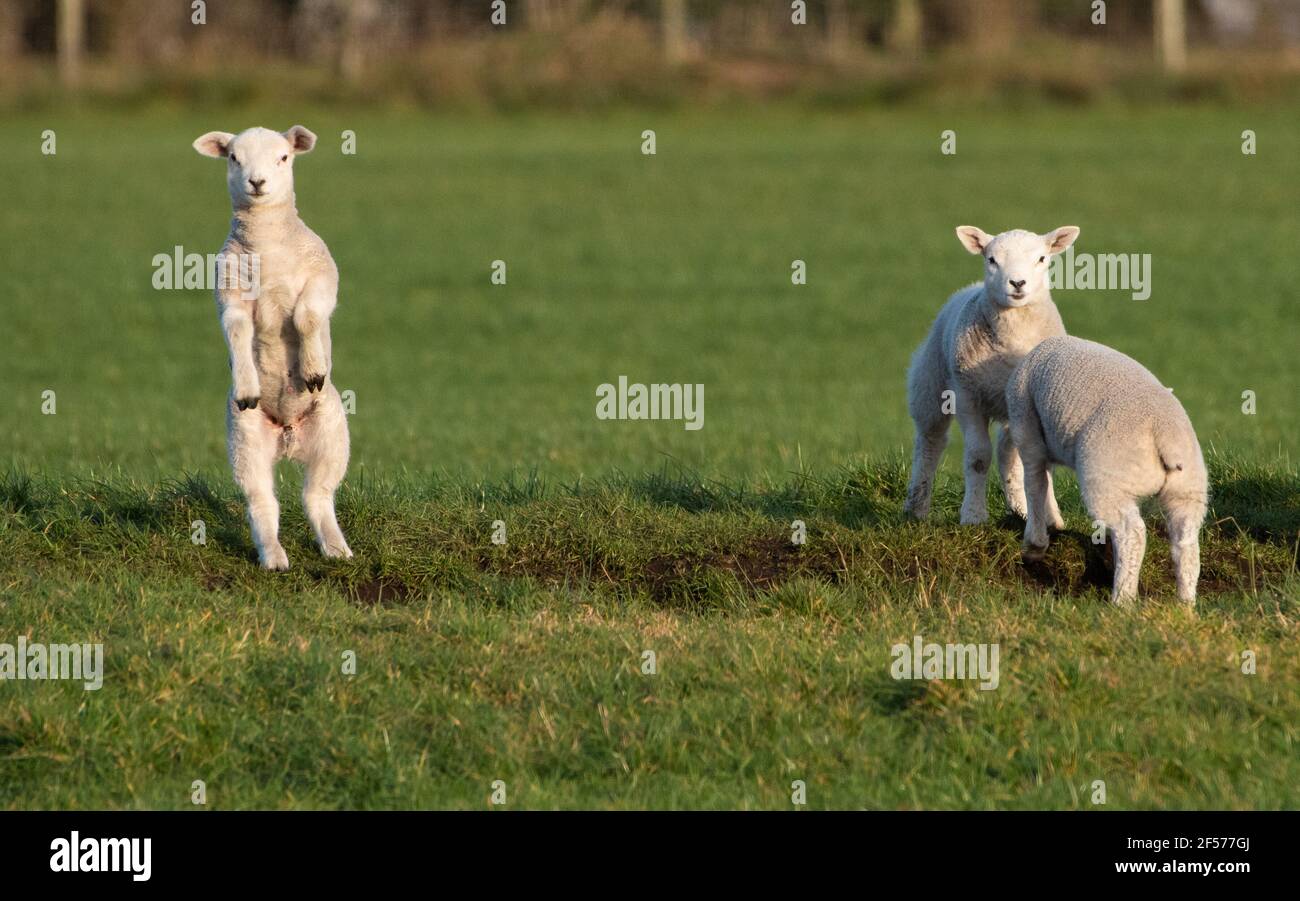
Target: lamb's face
(259,162)
(1016,262)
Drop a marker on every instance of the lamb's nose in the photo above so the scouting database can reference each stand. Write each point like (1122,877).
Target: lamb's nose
(257,183)
(1017,284)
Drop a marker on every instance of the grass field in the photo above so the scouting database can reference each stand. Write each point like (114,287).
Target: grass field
(474,402)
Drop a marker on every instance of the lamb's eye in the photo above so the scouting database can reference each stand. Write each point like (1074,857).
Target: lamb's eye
(990,259)
(1040,259)
(283,158)
(234,159)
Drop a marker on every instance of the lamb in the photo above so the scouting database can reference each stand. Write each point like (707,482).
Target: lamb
(282,403)
(963,365)
(1081,404)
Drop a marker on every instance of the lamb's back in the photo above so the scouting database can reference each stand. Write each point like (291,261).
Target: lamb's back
(1086,393)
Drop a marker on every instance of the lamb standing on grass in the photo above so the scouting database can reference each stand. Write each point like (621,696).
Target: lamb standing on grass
(980,335)
(1081,404)
(282,403)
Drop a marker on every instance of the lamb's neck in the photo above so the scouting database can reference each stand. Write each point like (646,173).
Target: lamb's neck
(1008,320)
(258,226)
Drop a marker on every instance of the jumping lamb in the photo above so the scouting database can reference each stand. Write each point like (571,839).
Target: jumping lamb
(1081,404)
(962,366)
(282,403)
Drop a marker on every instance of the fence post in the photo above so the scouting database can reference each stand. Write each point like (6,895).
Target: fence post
(71,40)
(673,22)
(839,30)
(1171,34)
(905,30)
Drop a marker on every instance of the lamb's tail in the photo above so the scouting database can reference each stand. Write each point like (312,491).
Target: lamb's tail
(1171,458)
(1180,457)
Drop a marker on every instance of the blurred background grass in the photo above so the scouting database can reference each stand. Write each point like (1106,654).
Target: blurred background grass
(521,142)
(665,268)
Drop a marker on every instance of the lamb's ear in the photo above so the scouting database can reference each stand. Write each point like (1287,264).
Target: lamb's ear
(972,238)
(214,143)
(301,139)
(1061,238)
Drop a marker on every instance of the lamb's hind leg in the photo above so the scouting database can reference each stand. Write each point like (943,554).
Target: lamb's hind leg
(1184,516)
(1123,520)
(931,439)
(325,458)
(1130,548)
(253,449)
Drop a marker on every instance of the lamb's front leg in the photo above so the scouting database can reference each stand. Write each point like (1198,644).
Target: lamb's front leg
(977,454)
(1015,482)
(1054,518)
(237,324)
(1038,491)
(1011,469)
(311,314)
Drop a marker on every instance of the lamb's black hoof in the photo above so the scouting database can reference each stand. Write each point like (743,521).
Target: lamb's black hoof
(247,403)
(1033,553)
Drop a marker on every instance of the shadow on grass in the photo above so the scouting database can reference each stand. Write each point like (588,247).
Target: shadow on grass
(852,497)
(1098,566)
(872,543)
(1265,507)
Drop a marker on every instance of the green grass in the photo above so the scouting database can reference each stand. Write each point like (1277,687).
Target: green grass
(671,268)
(521,662)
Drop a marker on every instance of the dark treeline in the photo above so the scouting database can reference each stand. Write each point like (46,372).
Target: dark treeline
(567,42)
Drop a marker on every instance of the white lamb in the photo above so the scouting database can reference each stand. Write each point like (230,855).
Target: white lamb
(282,402)
(1081,404)
(963,365)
